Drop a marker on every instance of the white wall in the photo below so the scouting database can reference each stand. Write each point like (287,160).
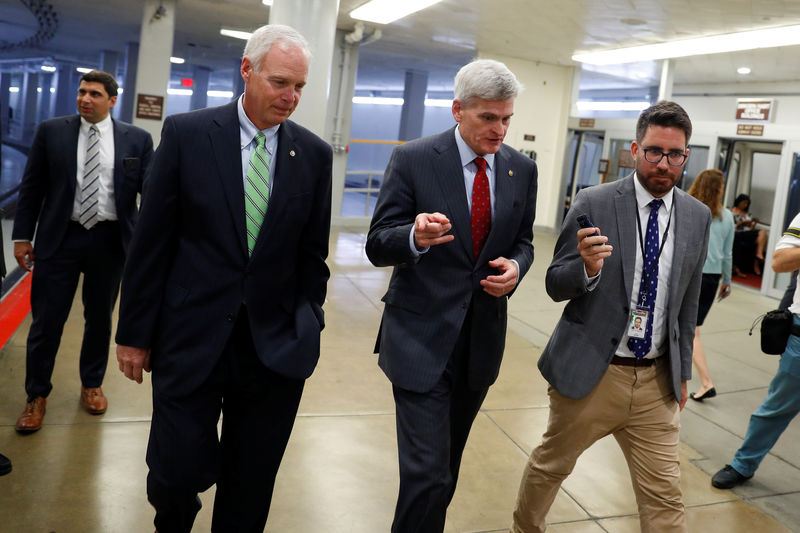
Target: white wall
(542,110)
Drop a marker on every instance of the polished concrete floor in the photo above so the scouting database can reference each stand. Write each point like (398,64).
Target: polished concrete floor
(86,474)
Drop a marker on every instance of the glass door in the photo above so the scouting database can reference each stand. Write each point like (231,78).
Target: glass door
(584,150)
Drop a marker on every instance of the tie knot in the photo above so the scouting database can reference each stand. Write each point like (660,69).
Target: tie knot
(480,163)
(655,205)
(260,139)
(93,130)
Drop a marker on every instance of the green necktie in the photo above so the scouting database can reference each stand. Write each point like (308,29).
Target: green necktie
(256,191)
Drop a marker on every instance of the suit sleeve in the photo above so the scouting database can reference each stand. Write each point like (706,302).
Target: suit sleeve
(153,245)
(566,275)
(387,240)
(146,158)
(33,188)
(687,317)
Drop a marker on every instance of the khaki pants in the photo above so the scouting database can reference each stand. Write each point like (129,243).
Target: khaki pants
(637,406)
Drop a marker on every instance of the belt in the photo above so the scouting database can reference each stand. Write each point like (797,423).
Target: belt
(631,361)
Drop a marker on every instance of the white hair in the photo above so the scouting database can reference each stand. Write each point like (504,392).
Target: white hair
(260,43)
(486,79)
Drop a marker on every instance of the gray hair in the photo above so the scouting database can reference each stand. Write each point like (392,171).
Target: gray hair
(260,43)
(487,79)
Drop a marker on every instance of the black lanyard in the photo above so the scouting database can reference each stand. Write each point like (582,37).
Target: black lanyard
(646,274)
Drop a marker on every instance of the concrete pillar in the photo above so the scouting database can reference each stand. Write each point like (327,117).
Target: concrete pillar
(340,113)
(66,89)
(200,77)
(45,109)
(238,82)
(320,31)
(129,83)
(155,48)
(413,112)
(109,62)
(5,85)
(667,78)
(29,105)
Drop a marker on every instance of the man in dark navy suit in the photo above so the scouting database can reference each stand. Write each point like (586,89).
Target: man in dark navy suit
(222,295)
(455,220)
(80,185)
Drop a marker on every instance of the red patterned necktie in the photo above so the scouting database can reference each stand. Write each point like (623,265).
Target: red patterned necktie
(481,207)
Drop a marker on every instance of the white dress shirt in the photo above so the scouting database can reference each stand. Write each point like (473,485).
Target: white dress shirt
(107,208)
(660,326)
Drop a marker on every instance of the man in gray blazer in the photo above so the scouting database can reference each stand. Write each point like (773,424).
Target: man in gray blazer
(443,331)
(608,377)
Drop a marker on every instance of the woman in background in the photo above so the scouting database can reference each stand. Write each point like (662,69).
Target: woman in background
(708,187)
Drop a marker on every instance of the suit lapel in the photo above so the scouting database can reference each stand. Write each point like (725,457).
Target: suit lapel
(449,174)
(503,200)
(70,140)
(627,238)
(224,136)
(286,180)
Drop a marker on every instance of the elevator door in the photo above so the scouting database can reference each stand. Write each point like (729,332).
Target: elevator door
(584,150)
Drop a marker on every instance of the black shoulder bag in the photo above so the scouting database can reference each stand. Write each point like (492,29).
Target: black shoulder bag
(776,326)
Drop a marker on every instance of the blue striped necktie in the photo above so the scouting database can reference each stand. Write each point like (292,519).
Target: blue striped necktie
(90,185)
(649,283)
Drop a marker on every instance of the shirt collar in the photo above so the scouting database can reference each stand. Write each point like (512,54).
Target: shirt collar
(248,130)
(466,153)
(643,197)
(104,127)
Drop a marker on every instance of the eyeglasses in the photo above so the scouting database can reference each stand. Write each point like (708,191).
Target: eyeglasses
(653,155)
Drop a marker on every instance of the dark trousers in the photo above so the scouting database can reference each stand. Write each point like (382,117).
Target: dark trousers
(98,254)
(186,456)
(432,430)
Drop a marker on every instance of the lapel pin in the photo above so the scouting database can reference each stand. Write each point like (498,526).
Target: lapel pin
(510,172)
(291,153)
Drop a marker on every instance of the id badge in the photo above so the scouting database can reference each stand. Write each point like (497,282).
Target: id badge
(638,323)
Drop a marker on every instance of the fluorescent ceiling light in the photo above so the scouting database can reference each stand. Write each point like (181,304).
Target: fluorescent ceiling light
(180,92)
(377,100)
(220,94)
(177,60)
(716,44)
(586,105)
(236,34)
(48,68)
(743,70)
(266,2)
(438,102)
(386,11)
(84,70)
(13,89)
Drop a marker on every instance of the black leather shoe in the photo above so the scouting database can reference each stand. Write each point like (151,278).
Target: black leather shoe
(710,393)
(5,465)
(728,477)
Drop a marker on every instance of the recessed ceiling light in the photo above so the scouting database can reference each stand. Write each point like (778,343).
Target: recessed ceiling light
(716,44)
(83,70)
(386,11)
(48,68)
(266,2)
(236,34)
(177,60)
(743,70)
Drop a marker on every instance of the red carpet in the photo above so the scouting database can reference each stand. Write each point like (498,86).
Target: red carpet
(14,308)
(750,279)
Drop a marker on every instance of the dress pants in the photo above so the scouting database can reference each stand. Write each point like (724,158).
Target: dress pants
(186,455)
(432,431)
(775,413)
(636,405)
(99,255)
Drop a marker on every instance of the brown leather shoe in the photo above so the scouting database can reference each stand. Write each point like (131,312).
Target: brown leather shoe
(31,418)
(93,400)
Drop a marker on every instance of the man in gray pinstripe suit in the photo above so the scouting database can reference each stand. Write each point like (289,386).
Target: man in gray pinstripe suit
(455,220)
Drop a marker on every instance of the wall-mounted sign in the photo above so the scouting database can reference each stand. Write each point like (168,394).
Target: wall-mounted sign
(149,106)
(756,130)
(754,109)
(529,137)
(586,123)
(626,159)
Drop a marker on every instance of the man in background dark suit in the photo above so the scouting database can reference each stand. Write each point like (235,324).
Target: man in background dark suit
(80,185)
(5,462)
(607,376)
(222,295)
(443,330)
